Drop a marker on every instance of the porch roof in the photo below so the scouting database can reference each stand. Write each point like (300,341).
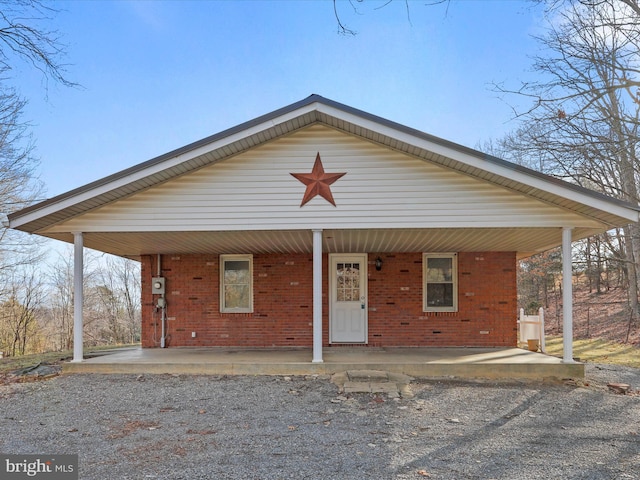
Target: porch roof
(597,209)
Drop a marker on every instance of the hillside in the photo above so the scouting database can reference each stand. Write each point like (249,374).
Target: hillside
(596,315)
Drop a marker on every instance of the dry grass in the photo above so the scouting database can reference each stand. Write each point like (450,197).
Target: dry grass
(10,364)
(598,351)
(601,327)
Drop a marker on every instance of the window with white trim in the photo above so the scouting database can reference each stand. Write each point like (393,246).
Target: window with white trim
(236,283)
(440,282)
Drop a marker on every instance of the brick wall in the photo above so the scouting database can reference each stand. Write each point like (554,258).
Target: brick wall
(487,308)
(283,303)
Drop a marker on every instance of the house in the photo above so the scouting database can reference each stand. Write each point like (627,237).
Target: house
(321,225)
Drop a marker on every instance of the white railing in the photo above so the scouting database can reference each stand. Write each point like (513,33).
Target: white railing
(531,327)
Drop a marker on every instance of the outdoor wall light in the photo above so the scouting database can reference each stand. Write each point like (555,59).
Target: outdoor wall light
(378,264)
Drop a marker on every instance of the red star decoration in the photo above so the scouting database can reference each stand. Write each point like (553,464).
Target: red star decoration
(318,182)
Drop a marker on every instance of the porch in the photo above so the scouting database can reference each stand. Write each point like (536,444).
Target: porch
(462,363)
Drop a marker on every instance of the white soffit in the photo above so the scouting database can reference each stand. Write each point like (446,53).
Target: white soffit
(524,241)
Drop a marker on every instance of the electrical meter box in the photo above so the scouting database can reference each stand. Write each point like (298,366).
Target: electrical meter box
(157,285)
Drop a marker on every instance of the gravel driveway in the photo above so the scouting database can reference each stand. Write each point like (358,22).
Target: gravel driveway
(207,427)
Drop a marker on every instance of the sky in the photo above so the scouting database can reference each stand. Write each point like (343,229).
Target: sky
(154,76)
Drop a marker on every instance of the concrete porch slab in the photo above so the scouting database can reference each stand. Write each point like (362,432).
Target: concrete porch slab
(464,363)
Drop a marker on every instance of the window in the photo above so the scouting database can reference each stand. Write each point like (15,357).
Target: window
(440,279)
(236,283)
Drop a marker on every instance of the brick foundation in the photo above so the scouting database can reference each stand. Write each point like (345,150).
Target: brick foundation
(283,303)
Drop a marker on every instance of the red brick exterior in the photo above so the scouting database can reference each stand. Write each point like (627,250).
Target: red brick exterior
(283,303)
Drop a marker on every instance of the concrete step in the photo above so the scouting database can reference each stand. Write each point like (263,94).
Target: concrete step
(373,381)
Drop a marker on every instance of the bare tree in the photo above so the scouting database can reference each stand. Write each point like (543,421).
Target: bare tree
(127,281)
(24,36)
(537,278)
(18,325)
(61,299)
(595,24)
(61,302)
(18,186)
(584,119)
(111,300)
(356,7)
(118,300)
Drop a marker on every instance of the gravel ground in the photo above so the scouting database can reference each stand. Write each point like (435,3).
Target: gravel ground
(208,427)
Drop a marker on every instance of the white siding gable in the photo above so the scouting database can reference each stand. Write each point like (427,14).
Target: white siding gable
(382,188)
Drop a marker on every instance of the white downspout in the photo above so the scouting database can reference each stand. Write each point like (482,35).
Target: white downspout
(317,296)
(567,298)
(78,296)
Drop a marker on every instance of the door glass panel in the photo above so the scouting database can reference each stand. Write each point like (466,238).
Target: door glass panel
(348,282)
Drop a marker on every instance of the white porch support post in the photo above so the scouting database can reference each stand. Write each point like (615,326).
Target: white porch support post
(567,298)
(78,297)
(317,296)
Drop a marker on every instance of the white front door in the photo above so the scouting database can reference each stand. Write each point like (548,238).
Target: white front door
(348,298)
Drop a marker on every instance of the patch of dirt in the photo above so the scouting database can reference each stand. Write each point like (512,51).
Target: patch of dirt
(132,426)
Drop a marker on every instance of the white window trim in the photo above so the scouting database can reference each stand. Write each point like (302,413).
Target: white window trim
(223,259)
(454,276)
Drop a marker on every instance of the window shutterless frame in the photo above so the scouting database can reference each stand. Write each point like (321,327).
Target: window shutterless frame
(236,283)
(440,282)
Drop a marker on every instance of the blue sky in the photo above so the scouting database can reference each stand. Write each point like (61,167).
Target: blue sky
(157,75)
